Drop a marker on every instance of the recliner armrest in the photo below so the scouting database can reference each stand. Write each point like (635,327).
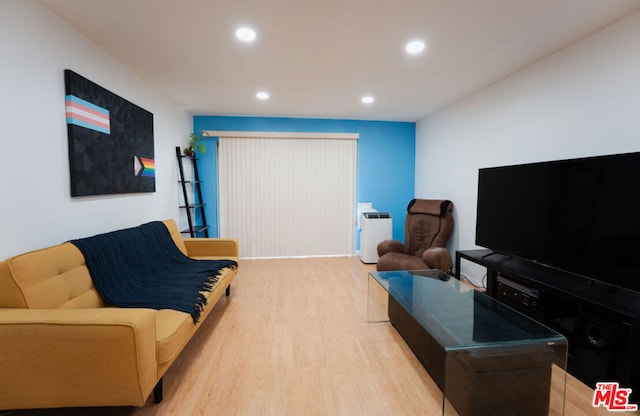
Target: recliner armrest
(388,246)
(438,258)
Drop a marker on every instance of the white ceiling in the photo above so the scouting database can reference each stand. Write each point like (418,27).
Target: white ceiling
(317,58)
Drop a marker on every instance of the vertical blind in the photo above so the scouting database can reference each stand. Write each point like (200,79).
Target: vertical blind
(288,197)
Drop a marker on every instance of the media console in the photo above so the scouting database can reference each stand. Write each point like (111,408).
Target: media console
(600,321)
(486,358)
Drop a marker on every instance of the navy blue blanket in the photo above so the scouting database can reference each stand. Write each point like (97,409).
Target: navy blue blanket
(141,267)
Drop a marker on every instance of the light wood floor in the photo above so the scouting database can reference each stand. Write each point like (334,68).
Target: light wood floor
(293,339)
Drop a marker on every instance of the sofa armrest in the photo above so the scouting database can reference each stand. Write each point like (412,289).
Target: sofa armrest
(76,357)
(388,246)
(212,247)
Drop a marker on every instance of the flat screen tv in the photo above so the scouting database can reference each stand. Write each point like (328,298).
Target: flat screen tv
(579,215)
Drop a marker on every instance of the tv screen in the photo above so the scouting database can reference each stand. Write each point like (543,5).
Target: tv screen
(579,215)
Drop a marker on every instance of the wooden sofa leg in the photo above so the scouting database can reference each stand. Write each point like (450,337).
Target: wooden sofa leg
(157,392)
(228,290)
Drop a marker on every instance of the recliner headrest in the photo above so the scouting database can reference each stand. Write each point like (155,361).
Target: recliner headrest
(437,207)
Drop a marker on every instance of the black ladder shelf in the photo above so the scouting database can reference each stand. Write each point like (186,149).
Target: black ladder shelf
(198,203)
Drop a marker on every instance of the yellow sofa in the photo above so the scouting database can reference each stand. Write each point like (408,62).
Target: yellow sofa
(62,346)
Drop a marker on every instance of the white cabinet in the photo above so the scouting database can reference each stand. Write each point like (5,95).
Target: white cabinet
(376,227)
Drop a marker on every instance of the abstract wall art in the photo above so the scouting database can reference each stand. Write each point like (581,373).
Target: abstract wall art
(110,141)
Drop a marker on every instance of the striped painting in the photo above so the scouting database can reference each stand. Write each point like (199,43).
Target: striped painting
(107,135)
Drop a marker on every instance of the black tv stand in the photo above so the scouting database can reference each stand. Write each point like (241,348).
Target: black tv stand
(601,321)
(490,253)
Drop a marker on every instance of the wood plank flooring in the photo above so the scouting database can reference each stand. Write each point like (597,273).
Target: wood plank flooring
(293,339)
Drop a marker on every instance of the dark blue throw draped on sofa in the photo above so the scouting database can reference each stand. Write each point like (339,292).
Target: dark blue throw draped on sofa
(141,267)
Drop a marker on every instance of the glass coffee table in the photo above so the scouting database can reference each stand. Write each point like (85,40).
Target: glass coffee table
(487,358)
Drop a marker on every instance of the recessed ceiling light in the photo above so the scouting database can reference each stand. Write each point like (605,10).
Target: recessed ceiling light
(262,95)
(367,99)
(415,47)
(246,34)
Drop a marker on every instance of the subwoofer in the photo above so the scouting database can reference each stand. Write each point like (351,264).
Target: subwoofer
(595,350)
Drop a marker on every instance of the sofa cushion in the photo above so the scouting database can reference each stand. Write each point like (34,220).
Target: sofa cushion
(175,328)
(54,277)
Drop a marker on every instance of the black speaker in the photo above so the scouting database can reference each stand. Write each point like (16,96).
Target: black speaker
(595,349)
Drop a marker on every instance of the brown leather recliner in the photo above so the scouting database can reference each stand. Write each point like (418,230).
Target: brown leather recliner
(427,229)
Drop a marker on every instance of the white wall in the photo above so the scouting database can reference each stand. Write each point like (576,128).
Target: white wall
(36,207)
(583,100)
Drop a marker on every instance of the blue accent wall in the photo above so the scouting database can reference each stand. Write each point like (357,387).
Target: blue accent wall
(386,159)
